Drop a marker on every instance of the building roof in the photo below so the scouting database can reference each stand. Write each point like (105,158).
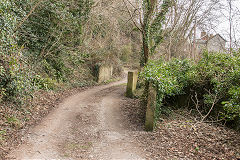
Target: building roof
(219,36)
(201,41)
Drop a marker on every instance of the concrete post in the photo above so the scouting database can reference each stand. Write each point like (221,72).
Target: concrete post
(151,106)
(132,83)
(104,73)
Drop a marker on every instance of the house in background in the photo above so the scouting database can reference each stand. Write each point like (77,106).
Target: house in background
(212,43)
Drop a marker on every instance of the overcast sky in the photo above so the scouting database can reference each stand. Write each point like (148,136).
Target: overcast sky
(219,24)
(223,27)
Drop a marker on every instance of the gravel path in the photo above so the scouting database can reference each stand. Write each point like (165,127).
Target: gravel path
(84,126)
(102,124)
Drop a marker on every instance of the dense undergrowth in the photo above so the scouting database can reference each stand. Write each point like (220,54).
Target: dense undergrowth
(39,50)
(39,45)
(211,86)
(50,44)
(47,46)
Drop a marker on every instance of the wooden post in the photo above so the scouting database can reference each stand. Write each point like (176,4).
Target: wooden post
(151,106)
(132,83)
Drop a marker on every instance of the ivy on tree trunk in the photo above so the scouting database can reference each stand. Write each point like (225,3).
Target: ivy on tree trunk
(151,30)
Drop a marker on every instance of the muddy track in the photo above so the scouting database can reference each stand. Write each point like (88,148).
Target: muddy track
(84,126)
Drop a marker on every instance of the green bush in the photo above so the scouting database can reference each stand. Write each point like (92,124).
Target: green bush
(34,53)
(221,72)
(169,78)
(52,33)
(215,79)
(43,83)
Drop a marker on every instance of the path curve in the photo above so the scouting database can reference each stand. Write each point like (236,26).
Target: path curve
(87,125)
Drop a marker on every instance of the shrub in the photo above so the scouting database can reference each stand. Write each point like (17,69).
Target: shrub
(34,54)
(215,79)
(169,78)
(53,33)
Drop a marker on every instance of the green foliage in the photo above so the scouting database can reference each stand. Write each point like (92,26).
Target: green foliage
(2,134)
(38,50)
(169,78)
(215,78)
(14,121)
(43,83)
(10,15)
(156,27)
(154,13)
(54,31)
(220,74)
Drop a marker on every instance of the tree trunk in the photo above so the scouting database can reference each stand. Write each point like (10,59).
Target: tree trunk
(145,51)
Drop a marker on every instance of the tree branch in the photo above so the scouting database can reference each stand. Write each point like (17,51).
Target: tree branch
(27,16)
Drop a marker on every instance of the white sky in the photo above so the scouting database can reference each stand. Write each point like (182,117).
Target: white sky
(223,27)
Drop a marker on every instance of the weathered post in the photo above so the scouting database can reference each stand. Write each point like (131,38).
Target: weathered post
(132,83)
(151,106)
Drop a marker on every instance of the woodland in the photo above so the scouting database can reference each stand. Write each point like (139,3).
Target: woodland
(48,47)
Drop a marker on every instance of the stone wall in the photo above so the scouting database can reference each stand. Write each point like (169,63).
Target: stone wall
(105,73)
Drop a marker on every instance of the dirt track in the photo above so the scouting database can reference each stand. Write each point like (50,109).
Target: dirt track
(84,126)
(102,124)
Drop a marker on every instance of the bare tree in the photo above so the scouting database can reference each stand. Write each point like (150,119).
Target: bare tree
(149,18)
(184,18)
(108,32)
(230,13)
(178,26)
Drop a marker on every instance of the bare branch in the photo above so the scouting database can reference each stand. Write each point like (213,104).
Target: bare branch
(27,16)
(129,12)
